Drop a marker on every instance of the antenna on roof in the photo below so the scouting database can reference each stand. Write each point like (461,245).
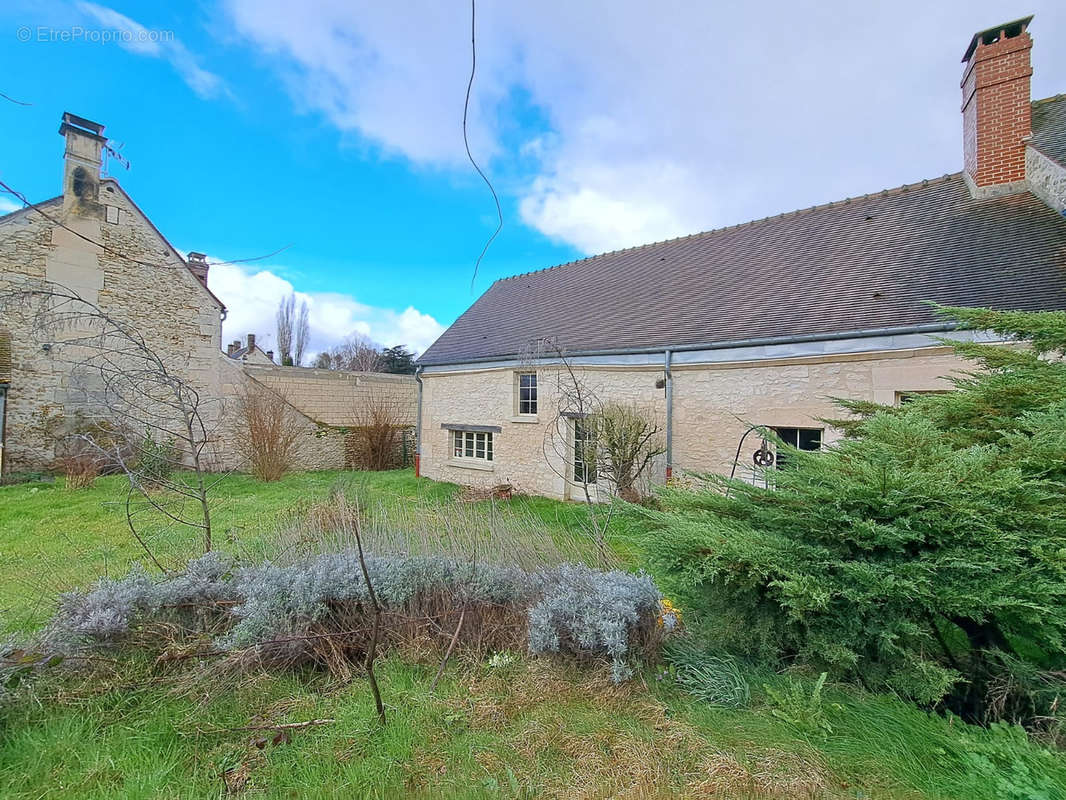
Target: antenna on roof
(113,152)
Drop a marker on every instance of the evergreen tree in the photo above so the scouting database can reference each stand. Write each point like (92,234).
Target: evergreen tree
(925,553)
(398,360)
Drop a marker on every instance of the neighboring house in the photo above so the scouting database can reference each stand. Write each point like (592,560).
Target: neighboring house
(96,242)
(765,322)
(249,353)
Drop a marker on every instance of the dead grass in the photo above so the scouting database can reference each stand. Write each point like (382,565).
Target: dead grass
(663,757)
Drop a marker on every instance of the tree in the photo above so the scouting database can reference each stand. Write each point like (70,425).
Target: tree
(924,554)
(293,331)
(398,360)
(269,431)
(357,353)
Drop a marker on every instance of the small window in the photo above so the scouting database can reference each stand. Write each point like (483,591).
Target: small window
(902,398)
(527,393)
(472,445)
(584,453)
(801,438)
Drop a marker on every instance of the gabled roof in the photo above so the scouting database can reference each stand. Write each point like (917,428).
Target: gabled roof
(57,203)
(855,265)
(1049,127)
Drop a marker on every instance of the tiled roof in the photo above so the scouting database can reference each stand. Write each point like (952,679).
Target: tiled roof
(859,264)
(1049,127)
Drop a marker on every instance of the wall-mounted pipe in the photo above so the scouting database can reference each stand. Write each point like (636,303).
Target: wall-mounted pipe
(669,416)
(418,424)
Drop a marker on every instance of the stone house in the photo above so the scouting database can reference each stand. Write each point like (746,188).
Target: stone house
(250,352)
(762,323)
(94,241)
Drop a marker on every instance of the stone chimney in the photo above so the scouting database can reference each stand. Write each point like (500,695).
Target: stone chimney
(996,111)
(198,266)
(251,342)
(270,355)
(83,160)
(233,347)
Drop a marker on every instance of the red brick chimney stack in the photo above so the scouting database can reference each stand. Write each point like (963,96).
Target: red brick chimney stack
(996,111)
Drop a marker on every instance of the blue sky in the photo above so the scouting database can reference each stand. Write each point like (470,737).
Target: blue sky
(335,127)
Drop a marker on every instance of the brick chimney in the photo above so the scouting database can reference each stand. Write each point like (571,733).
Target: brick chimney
(251,342)
(233,347)
(83,160)
(996,111)
(198,266)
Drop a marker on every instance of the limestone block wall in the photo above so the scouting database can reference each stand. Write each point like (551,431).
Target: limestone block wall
(147,286)
(533,454)
(319,447)
(338,398)
(712,406)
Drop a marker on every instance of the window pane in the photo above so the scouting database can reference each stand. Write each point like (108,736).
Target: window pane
(479,445)
(469,445)
(488,447)
(810,439)
(457,436)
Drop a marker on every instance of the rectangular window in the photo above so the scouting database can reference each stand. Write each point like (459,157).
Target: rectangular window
(584,453)
(902,398)
(527,393)
(472,445)
(800,438)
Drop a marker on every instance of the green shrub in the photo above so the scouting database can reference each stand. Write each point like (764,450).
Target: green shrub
(798,708)
(157,459)
(924,554)
(714,679)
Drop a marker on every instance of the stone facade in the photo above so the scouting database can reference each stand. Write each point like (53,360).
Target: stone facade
(1046,179)
(713,404)
(94,241)
(150,288)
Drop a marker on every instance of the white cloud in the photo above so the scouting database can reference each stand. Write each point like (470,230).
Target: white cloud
(136,38)
(252,296)
(661,119)
(7,206)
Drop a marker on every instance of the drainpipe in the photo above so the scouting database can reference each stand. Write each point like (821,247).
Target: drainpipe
(669,417)
(418,424)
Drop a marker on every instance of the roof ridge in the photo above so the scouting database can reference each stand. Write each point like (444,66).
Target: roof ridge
(890,192)
(1053,99)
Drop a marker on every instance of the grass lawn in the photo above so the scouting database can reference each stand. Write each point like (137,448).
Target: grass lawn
(511,727)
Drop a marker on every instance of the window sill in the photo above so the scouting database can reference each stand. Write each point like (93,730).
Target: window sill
(484,466)
(526,418)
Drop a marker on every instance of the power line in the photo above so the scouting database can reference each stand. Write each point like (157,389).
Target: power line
(12,99)
(36,207)
(466,141)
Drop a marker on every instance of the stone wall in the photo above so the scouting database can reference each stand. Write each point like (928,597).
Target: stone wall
(339,398)
(1047,179)
(327,403)
(148,287)
(713,406)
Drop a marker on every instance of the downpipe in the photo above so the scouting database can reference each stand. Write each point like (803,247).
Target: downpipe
(418,424)
(669,415)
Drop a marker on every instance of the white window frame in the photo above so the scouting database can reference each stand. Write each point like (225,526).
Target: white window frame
(532,403)
(475,447)
(581,468)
